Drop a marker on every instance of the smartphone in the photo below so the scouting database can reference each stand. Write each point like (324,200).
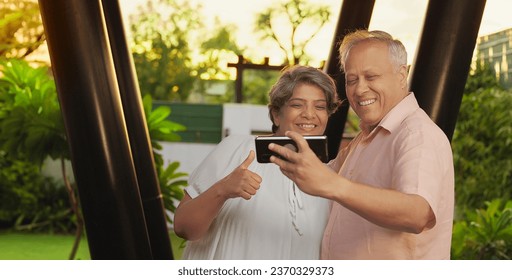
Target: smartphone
(317,143)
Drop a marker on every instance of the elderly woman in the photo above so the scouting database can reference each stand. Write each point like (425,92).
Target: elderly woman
(237,208)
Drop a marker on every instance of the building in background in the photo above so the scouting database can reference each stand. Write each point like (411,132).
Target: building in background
(496,50)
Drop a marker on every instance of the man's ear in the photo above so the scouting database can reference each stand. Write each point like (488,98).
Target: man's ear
(403,73)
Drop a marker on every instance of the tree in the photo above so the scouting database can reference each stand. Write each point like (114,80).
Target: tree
(482,145)
(482,141)
(167,66)
(218,49)
(300,17)
(215,51)
(161,48)
(481,77)
(21,28)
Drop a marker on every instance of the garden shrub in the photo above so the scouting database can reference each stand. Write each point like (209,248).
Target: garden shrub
(29,200)
(482,145)
(485,233)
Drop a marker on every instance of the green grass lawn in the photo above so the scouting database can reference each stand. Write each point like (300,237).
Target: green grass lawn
(29,246)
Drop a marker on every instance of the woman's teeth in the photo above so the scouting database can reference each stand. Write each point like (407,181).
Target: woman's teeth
(307,126)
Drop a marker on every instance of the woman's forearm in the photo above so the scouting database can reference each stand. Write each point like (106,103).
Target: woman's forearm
(193,217)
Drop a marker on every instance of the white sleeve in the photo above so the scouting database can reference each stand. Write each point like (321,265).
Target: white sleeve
(224,158)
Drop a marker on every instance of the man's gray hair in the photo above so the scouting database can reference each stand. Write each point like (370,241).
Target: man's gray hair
(397,52)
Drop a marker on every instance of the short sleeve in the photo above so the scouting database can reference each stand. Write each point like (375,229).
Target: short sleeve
(224,158)
(423,166)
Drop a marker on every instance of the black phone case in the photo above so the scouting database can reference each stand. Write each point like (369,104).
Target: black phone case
(317,143)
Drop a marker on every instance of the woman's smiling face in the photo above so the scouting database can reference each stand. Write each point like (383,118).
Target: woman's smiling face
(305,112)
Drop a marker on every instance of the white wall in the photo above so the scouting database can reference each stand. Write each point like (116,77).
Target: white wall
(53,168)
(188,154)
(245,118)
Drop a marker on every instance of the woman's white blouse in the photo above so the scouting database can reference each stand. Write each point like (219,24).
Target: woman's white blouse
(279,222)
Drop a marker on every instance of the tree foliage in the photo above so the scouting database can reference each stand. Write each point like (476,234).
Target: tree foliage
(216,50)
(168,65)
(30,120)
(31,201)
(482,141)
(304,21)
(482,145)
(482,77)
(21,28)
(485,234)
(161,49)
(31,125)
(214,54)
(170,179)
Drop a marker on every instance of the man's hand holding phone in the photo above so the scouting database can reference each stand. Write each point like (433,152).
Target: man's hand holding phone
(303,167)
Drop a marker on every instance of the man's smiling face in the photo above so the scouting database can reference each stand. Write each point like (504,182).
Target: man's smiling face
(374,85)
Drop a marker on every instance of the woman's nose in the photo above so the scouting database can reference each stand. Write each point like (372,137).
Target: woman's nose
(308,112)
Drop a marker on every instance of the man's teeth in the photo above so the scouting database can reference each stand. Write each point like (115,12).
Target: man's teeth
(367,102)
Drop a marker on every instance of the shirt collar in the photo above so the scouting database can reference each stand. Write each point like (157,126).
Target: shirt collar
(395,116)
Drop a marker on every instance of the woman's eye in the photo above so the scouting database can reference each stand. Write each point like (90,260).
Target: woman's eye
(321,106)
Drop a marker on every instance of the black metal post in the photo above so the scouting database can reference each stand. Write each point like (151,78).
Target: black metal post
(443,59)
(138,134)
(96,130)
(354,14)
(239,78)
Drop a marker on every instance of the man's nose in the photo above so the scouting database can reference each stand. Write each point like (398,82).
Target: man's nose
(361,86)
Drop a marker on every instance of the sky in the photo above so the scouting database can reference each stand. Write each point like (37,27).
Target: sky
(401,18)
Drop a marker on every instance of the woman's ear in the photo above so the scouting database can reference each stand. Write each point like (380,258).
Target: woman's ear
(275,117)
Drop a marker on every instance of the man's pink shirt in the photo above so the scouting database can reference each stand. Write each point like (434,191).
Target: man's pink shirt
(407,152)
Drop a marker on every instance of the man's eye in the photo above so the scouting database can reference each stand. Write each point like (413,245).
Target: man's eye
(296,105)
(351,82)
(321,108)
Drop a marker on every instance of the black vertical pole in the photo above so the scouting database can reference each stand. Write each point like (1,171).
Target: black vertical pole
(239,98)
(96,130)
(138,134)
(354,14)
(443,59)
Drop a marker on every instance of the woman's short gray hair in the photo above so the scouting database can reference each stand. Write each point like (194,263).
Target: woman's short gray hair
(296,75)
(397,52)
